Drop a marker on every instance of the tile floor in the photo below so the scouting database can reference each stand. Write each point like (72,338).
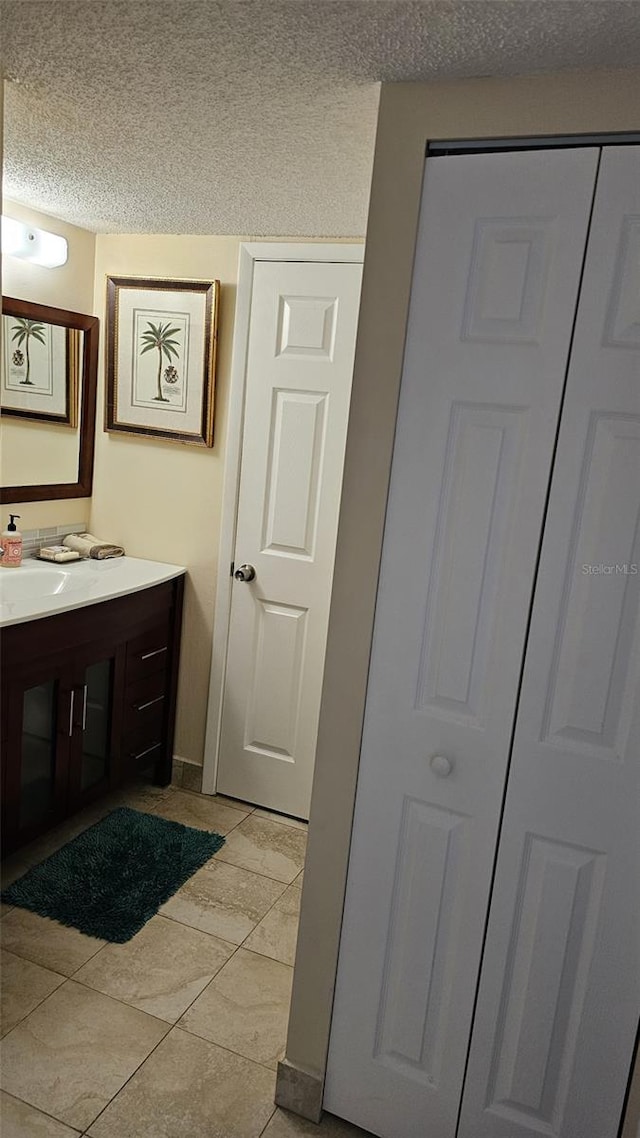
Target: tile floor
(177,1033)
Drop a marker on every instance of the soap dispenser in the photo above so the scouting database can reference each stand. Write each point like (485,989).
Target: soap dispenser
(11,544)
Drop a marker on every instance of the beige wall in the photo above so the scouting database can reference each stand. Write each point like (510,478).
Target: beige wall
(33,444)
(410,115)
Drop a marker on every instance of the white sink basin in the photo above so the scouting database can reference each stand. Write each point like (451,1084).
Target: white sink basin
(28,582)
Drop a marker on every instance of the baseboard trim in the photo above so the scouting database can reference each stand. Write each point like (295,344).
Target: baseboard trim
(298,1091)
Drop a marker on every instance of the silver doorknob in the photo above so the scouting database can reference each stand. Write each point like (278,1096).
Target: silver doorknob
(441,765)
(245,573)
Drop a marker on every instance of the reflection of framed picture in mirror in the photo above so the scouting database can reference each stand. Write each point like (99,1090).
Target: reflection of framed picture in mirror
(161,349)
(39,368)
(36,446)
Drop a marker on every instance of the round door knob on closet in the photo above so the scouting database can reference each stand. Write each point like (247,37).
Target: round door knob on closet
(441,765)
(245,573)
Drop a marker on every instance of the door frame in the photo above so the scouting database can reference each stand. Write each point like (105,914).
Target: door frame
(250,253)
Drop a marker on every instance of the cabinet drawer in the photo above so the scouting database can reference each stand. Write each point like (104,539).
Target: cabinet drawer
(144,745)
(143,699)
(148,653)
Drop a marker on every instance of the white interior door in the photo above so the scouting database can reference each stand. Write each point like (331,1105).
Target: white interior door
(298,385)
(560,991)
(498,261)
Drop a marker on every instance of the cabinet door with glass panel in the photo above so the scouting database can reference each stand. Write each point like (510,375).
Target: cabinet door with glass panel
(61,726)
(39,726)
(97,707)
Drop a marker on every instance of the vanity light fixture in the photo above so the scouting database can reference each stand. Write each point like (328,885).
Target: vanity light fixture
(31,244)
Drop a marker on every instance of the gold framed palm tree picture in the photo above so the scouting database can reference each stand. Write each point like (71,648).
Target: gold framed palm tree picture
(161,355)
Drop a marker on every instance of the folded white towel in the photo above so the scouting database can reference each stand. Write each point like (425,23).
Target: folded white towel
(89,546)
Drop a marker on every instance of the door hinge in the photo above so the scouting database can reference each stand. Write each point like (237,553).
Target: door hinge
(233,565)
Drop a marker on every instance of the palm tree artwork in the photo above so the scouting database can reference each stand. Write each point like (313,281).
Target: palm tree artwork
(160,337)
(23,331)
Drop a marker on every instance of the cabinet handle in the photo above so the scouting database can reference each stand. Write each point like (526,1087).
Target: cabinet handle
(148,751)
(71,703)
(84,708)
(149,703)
(148,655)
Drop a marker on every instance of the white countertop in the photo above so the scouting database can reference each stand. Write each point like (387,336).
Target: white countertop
(38,588)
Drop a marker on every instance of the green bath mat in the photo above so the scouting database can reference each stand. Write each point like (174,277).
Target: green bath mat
(114,876)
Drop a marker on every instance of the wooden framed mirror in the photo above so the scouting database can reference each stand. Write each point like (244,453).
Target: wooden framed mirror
(48,378)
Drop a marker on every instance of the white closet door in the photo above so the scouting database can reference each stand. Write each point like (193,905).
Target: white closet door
(498,261)
(560,991)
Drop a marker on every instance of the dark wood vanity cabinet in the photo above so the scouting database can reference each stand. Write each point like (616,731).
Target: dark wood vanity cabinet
(88,701)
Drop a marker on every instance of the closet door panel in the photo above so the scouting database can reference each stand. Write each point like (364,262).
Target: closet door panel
(560,991)
(498,262)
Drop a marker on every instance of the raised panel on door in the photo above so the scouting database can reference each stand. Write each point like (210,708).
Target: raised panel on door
(298,384)
(274,693)
(294,468)
(412,1009)
(559,998)
(497,269)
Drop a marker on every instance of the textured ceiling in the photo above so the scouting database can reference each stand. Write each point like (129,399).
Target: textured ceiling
(250,116)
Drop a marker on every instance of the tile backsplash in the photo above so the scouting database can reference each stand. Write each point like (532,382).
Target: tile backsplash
(33,539)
